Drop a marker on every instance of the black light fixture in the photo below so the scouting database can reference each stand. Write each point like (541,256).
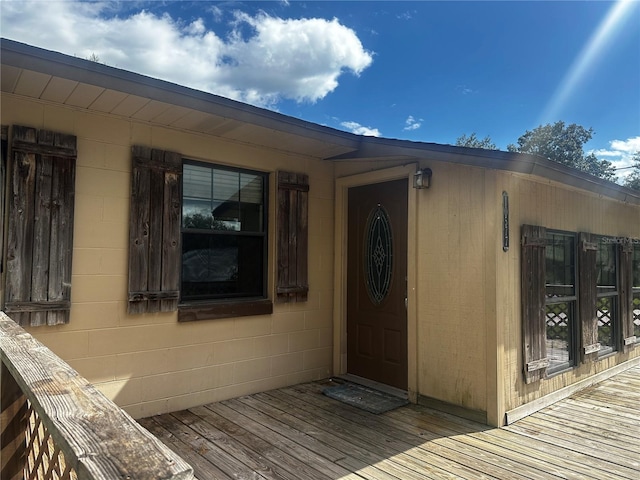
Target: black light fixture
(422,178)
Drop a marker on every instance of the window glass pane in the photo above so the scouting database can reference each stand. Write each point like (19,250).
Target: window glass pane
(196,181)
(560,265)
(560,318)
(196,192)
(221,266)
(606,316)
(223,200)
(251,188)
(606,266)
(223,256)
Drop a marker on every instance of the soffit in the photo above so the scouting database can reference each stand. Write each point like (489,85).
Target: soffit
(268,133)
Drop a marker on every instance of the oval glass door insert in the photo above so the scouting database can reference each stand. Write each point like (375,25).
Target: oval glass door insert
(378,254)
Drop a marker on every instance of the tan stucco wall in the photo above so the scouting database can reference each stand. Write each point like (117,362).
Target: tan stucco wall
(554,206)
(463,298)
(467,289)
(151,363)
(453,290)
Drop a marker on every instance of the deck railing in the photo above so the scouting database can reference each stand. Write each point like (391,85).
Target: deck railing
(56,425)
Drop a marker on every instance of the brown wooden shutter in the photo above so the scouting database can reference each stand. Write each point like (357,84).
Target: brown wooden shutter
(154,235)
(4,142)
(534,338)
(625,253)
(293,205)
(588,296)
(40,233)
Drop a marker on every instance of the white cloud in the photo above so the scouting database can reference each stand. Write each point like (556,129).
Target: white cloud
(620,154)
(358,129)
(413,124)
(298,59)
(465,90)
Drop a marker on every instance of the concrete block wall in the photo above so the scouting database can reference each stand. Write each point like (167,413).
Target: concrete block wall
(150,363)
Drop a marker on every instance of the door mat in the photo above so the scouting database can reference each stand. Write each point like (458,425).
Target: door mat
(373,401)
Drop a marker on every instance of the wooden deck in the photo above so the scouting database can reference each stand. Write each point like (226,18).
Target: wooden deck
(298,433)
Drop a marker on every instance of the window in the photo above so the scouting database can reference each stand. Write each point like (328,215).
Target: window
(636,290)
(224,227)
(607,295)
(197,245)
(560,300)
(580,297)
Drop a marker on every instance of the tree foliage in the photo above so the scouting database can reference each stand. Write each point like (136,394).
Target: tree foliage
(472,141)
(564,144)
(633,180)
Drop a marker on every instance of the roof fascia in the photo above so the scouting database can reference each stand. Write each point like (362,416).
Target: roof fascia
(375,148)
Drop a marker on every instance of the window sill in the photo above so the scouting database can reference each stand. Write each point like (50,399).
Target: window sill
(190,312)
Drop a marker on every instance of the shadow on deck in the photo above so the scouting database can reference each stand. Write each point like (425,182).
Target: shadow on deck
(298,433)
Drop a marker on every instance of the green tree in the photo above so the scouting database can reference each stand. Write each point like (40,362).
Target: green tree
(564,144)
(472,141)
(633,180)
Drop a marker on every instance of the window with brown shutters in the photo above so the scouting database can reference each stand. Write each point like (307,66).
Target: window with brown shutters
(40,227)
(534,349)
(154,236)
(292,233)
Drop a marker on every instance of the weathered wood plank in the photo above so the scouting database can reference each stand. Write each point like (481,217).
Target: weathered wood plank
(485,461)
(252,410)
(62,216)
(21,231)
(41,237)
(98,439)
(417,442)
(171,237)
(625,466)
(357,458)
(139,229)
(239,444)
(405,458)
(249,446)
(304,449)
(207,442)
(156,208)
(200,456)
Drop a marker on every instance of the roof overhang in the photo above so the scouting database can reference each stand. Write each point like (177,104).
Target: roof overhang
(54,77)
(42,74)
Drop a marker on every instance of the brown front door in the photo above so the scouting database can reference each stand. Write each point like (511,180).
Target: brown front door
(377,283)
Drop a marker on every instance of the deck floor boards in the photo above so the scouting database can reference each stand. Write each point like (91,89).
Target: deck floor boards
(297,433)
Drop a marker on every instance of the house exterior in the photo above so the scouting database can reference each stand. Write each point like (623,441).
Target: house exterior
(178,248)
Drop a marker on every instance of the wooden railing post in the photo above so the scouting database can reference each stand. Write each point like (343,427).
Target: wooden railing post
(13,425)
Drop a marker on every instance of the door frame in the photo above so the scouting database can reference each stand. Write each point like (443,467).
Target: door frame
(340,268)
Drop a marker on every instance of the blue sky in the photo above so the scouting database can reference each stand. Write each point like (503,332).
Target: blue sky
(427,71)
